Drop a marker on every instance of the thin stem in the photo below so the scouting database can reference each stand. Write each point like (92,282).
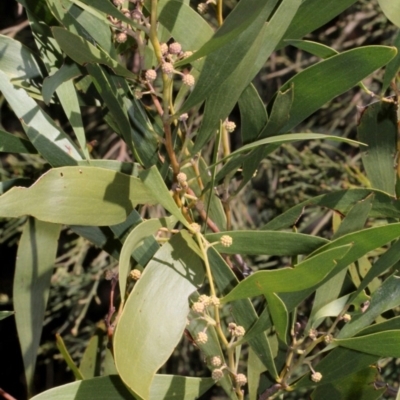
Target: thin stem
(220,18)
(166,89)
(203,249)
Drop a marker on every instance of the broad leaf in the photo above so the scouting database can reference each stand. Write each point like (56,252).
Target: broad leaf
(392,11)
(154,316)
(77,196)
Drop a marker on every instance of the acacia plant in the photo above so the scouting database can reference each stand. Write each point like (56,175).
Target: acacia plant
(166,77)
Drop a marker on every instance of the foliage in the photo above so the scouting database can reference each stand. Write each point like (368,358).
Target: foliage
(166,81)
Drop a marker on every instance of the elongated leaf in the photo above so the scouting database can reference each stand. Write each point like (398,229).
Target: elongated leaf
(253,115)
(83,52)
(264,242)
(353,386)
(304,275)
(318,49)
(154,316)
(279,315)
(327,294)
(108,91)
(111,387)
(243,312)
(179,19)
(385,261)
(84,21)
(380,302)
(392,11)
(254,369)
(312,90)
(312,14)
(52,82)
(378,129)
(393,66)
(383,344)
(45,135)
(5,314)
(135,239)
(17,60)
(77,196)
(155,184)
(10,143)
(289,137)
(90,361)
(383,206)
(233,40)
(225,95)
(67,357)
(332,309)
(35,262)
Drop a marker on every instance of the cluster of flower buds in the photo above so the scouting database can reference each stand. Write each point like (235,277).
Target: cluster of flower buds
(203,302)
(170,54)
(236,330)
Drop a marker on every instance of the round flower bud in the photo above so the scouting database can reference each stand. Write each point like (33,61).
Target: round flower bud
(121,37)
(202,8)
(194,227)
(230,126)
(214,300)
(164,48)
(202,338)
(216,361)
(313,334)
(316,376)
(126,12)
(231,327)
(138,94)
(188,80)
(181,177)
(346,317)
(205,299)
(328,339)
(167,68)
(118,3)
(183,117)
(135,274)
(217,374)
(108,275)
(137,15)
(151,75)
(198,307)
(241,379)
(239,331)
(175,48)
(187,54)
(226,240)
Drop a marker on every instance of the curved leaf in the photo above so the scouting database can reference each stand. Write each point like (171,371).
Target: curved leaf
(383,344)
(378,129)
(44,134)
(154,316)
(10,143)
(83,52)
(111,387)
(304,275)
(267,242)
(34,267)
(134,239)
(77,196)
(345,70)
(392,10)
